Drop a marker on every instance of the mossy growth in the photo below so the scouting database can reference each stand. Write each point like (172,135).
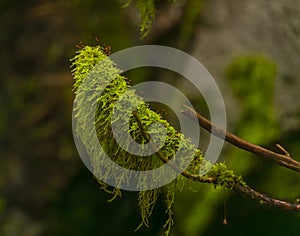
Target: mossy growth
(147,9)
(109,91)
(225,178)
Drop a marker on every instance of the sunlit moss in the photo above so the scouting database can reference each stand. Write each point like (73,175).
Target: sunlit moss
(105,77)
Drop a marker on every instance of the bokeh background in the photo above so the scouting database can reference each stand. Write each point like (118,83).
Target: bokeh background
(252,48)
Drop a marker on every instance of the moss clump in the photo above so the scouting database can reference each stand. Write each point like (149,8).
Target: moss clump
(106,78)
(102,85)
(224,178)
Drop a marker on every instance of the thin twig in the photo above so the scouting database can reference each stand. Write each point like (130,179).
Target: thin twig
(245,190)
(266,199)
(283,160)
(283,150)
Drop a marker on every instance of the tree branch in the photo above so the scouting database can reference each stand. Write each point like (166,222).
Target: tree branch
(165,160)
(284,160)
(266,199)
(242,189)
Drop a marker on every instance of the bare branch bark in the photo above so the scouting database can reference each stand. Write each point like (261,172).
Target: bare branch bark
(266,199)
(283,160)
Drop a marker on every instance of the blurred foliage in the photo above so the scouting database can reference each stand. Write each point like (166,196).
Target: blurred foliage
(252,79)
(193,10)
(82,209)
(147,10)
(38,156)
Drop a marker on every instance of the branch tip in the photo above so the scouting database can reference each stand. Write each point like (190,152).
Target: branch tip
(285,152)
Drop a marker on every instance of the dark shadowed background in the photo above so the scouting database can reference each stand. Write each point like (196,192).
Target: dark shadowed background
(252,48)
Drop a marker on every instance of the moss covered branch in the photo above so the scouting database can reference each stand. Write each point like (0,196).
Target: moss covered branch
(220,176)
(114,87)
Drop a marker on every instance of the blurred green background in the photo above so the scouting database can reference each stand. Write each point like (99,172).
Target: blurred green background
(253,51)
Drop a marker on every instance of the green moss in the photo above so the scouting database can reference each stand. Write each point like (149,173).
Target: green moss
(86,64)
(261,202)
(147,9)
(105,77)
(225,178)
